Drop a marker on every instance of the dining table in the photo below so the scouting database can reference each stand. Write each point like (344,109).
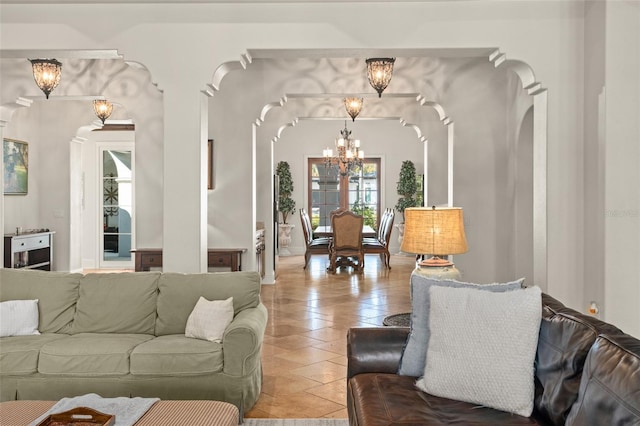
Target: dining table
(327,231)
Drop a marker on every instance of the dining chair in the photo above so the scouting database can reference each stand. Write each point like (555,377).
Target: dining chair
(312,245)
(345,248)
(380,244)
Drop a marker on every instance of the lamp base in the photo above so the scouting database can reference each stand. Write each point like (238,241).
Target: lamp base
(449,272)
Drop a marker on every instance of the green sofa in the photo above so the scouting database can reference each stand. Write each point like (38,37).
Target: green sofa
(123,334)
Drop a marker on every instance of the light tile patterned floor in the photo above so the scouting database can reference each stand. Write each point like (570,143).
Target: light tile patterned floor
(304,350)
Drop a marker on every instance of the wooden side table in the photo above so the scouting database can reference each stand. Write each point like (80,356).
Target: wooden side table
(231,258)
(145,258)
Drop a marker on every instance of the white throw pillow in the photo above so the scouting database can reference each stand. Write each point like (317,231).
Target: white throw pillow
(209,319)
(415,351)
(19,318)
(483,346)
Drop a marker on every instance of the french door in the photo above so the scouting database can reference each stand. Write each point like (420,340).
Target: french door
(116,206)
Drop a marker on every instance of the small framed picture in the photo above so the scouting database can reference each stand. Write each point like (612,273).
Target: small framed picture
(15,155)
(210,164)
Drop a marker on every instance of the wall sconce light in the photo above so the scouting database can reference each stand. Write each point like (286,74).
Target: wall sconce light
(379,71)
(46,73)
(103,109)
(353,106)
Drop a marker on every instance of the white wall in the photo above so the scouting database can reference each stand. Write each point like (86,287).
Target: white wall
(622,165)
(24,210)
(56,123)
(183,44)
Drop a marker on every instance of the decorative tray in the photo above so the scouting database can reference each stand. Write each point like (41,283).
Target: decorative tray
(80,416)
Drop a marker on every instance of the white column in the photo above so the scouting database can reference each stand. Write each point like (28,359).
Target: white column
(185,148)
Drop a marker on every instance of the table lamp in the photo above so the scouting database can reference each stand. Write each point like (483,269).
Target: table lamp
(438,232)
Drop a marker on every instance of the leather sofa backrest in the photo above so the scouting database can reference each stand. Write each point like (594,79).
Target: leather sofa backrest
(565,338)
(178,294)
(563,344)
(57,294)
(609,391)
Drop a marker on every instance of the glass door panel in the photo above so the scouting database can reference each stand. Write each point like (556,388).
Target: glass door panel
(324,188)
(364,193)
(117,208)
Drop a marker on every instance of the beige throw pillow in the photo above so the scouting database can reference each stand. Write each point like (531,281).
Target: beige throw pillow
(209,319)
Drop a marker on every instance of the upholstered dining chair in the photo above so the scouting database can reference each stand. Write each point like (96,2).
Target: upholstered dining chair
(312,245)
(346,245)
(380,244)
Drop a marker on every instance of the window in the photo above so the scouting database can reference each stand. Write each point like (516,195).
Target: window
(359,191)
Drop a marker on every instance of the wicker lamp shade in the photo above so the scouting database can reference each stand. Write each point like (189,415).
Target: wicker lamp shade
(435,231)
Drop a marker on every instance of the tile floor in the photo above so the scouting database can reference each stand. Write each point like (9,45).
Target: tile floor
(304,349)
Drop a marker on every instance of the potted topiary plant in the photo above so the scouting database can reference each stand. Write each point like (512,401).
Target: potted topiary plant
(407,188)
(286,206)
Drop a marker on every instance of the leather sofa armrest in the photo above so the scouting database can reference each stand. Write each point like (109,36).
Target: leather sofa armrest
(242,341)
(375,350)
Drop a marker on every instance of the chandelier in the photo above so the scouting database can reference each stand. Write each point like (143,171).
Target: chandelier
(379,72)
(102,109)
(353,106)
(348,153)
(46,73)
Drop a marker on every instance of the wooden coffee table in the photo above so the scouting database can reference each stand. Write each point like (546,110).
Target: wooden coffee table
(166,413)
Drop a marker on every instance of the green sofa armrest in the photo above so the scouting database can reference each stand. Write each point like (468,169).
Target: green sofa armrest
(242,341)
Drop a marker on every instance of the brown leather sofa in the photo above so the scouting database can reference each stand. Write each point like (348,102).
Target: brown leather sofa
(587,372)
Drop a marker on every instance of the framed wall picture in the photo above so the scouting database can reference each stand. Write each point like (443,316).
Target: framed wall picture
(210,164)
(15,156)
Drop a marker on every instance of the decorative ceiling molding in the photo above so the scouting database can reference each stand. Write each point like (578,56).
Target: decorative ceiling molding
(521,69)
(65,54)
(291,109)
(220,73)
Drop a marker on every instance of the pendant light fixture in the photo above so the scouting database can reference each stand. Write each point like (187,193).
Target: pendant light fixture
(103,109)
(353,106)
(348,154)
(46,73)
(379,72)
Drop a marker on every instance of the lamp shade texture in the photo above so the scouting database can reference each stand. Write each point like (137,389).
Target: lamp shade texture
(435,231)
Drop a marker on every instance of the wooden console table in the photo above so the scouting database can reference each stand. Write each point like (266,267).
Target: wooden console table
(224,257)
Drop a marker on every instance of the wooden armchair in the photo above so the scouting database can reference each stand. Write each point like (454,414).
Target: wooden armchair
(346,244)
(380,244)
(313,245)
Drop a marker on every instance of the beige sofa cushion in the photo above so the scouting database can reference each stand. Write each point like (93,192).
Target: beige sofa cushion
(179,293)
(57,293)
(90,354)
(19,354)
(117,303)
(176,354)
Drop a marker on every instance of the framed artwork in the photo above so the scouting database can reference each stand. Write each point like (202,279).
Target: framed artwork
(210,164)
(15,157)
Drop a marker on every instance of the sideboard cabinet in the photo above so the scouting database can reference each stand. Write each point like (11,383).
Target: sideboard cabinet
(33,250)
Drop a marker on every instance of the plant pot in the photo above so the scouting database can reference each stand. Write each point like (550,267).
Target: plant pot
(284,238)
